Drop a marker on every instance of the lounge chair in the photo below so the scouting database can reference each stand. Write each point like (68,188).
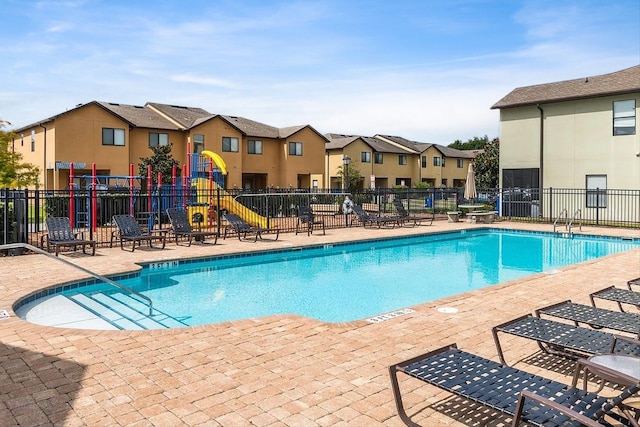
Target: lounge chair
(60,235)
(367,219)
(405,216)
(524,396)
(242,228)
(593,316)
(563,339)
(307,219)
(617,295)
(129,231)
(181,228)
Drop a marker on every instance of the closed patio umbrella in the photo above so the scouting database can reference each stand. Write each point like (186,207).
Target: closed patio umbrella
(470,186)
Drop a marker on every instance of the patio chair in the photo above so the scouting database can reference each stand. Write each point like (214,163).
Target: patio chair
(129,231)
(617,295)
(308,220)
(367,219)
(60,235)
(405,216)
(593,316)
(524,396)
(181,228)
(563,339)
(242,228)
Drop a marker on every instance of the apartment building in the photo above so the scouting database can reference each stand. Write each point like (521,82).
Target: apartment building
(113,136)
(579,133)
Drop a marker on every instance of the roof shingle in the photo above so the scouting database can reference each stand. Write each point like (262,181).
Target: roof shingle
(619,82)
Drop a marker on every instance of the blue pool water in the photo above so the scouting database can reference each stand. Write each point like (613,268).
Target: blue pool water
(345,282)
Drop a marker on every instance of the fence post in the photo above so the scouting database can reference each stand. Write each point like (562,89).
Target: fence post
(551,217)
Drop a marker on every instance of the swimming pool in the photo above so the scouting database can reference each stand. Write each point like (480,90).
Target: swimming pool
(331,283)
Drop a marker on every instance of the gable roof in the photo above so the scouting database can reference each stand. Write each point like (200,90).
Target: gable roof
(619,82)
(338,141)
(137,116)
(421,147)
(184,117)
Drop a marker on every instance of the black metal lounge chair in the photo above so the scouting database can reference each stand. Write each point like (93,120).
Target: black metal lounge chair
(563,339)
(242,228)
(524,396)
(593,316)
(405,216)
(60,235)
(182,228)
(367,219)
(129,231)
(307,219)
(617,295)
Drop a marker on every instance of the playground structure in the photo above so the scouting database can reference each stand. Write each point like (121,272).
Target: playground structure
(200,193)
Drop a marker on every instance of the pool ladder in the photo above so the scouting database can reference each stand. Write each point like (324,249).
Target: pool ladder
(10,248)
(568,223)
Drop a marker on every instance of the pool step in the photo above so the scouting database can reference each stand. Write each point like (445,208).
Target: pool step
(124,312)
(160,318)
(114,318)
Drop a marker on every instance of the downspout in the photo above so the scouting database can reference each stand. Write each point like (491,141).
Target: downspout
(541,171)
(45,156)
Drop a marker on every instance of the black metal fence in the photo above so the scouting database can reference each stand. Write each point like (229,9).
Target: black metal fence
(24,212)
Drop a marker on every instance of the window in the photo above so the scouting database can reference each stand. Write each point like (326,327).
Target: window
(365,157)
(443,159)
(423,161)
(158,139)
(33,140)
(254,147)
(229,144)
(112,136)
(295,148)
(445,182)
(460,163)
(198,143)
(377,158)
(436,161)
(624,117)
(402,159)
(596,191)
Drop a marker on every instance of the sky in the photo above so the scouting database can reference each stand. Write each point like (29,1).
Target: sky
(425,70)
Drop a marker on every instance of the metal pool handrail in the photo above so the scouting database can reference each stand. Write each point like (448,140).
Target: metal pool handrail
(84,270)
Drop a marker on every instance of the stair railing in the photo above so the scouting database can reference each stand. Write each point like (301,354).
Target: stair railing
(562,214)
(32,248)
(576,215)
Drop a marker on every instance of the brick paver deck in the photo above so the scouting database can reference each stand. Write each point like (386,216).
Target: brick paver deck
(280,370)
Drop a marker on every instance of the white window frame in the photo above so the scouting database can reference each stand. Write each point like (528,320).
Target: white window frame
(624,117)
(596,191)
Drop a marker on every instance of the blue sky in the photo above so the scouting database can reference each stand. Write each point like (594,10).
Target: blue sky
(423,69)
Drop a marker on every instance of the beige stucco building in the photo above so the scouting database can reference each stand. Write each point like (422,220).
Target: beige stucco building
(114,136)
(257,156)
(385,161)
(578,133)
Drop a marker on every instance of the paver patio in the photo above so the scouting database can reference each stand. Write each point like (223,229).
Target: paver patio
(280,370)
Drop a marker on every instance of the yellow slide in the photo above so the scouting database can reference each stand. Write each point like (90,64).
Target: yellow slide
(226,200)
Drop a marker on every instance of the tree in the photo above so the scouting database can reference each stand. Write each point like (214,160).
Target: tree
(161,161)
(353,178)
(472,144)
(14,173)
(487,165)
